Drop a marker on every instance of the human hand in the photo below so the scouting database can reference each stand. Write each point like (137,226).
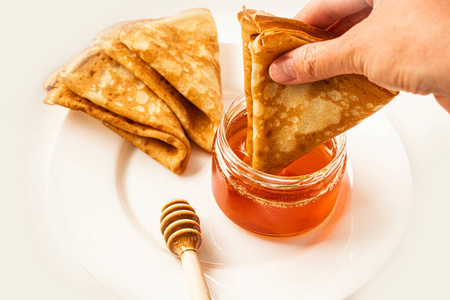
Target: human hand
(400,45)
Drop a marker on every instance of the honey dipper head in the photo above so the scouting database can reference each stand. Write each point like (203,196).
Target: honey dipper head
(180,226)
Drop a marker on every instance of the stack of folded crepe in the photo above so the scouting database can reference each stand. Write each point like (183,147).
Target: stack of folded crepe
(287,122)
(152,82)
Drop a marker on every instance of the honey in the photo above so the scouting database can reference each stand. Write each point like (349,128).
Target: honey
(296,200)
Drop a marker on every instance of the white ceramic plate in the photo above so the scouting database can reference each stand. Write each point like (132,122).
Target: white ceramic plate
(106,198)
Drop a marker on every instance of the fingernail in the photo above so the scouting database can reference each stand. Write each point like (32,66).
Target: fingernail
(282,70)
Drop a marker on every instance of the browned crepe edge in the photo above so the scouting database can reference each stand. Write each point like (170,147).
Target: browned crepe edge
(266,21)
(248,28)
(155,148)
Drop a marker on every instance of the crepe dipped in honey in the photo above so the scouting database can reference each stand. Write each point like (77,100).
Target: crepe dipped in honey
(198,126)
(252,23)
(289,121)
(184,50)
(104,89)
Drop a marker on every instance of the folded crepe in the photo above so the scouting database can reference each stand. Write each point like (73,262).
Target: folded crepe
(198,126)
(287,122)
(184,50)
(99,86)
(252,23)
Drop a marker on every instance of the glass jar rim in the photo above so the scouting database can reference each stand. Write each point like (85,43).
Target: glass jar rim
(237,166)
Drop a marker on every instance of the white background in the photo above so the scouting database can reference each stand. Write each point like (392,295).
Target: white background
(39,36)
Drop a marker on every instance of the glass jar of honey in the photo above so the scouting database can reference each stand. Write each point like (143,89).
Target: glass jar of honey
(296,200)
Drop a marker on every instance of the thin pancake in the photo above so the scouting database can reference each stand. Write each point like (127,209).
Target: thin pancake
(198,126)
(101,80)
(185,51)
(167,149)
(252,23)
(95,76)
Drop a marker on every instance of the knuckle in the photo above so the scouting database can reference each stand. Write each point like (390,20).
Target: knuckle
(359,64)
(357,58)
(415,83)
(307,61)
(328,11)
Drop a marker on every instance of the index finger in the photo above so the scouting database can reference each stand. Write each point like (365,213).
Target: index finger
(324,13)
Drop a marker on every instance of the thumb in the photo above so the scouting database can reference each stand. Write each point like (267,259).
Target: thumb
(316,61)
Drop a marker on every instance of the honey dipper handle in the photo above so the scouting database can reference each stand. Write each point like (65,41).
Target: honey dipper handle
(194,275)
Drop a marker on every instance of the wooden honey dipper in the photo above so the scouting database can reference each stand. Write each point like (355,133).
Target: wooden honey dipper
(180,227)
